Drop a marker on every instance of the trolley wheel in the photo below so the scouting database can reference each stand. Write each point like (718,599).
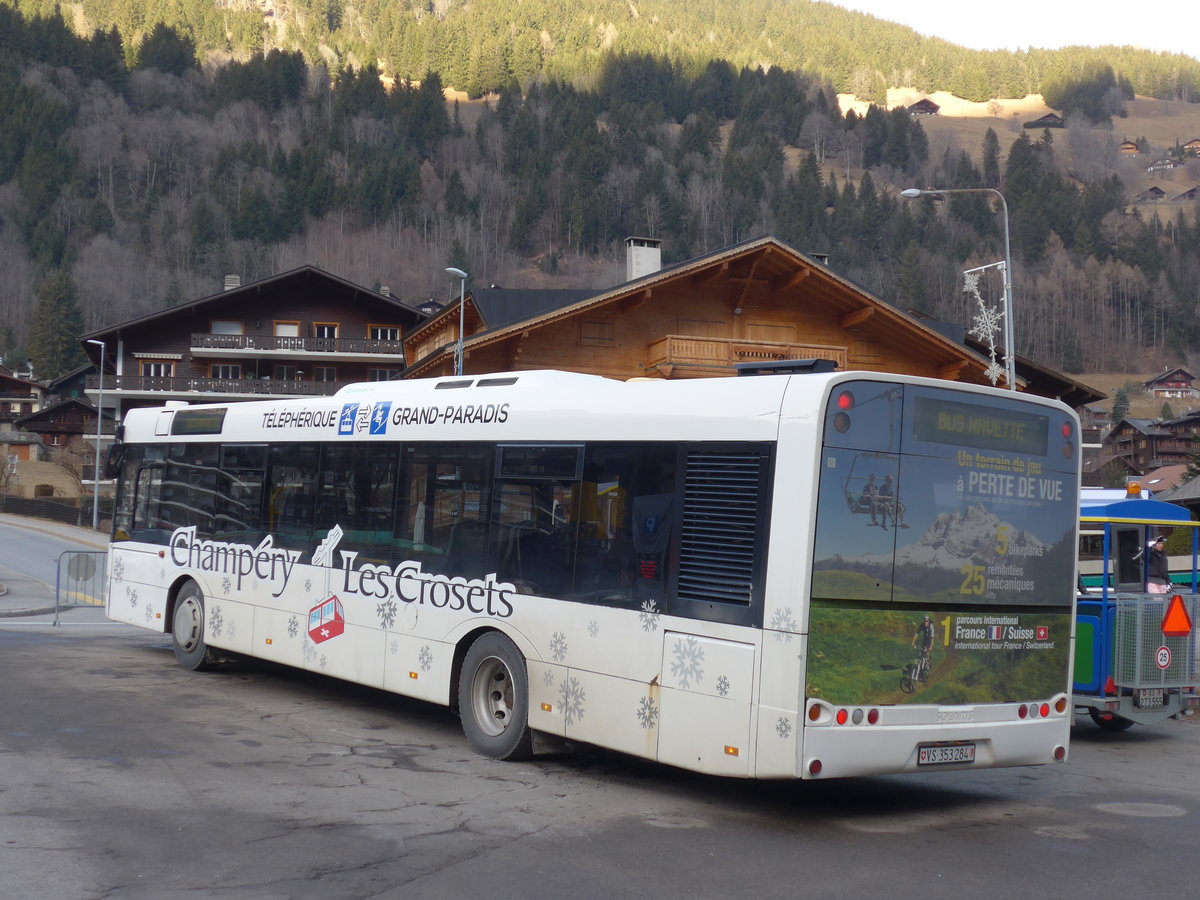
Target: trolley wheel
(187,629)
(493,698)
(1108,721)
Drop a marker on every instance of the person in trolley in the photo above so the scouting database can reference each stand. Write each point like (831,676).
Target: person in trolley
(1158,573)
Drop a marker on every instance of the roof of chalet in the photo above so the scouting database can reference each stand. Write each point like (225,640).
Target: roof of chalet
(923,105)
(33,418)
(247,292)
(1049,117)
(1170,374)
(1188,492)
(1145,426)
(1190,194)
(787,267)
(1153,191)
(1164,478)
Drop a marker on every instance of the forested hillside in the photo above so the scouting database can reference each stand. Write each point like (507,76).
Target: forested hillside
(132,177)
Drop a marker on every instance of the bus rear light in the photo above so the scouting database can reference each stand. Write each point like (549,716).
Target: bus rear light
(1067,430)
(872,716)
(845,400)
(1060,753)
(814,712)
(1060,705)
(1068,450)
(1022,711)
(1045,710)
(841,422)
(856,717)
(842,716)
(814,767)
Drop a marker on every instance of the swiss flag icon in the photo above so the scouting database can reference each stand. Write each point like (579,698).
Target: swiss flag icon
(1042,632)
(1177,622)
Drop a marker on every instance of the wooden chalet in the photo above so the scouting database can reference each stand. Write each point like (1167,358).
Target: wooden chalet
(924,107)
(1192,147)
(71,421)
(1152,194)
(1189,194)
(757,301)
(1163,165)
(1049,120)
(1171,384)
(1128,148)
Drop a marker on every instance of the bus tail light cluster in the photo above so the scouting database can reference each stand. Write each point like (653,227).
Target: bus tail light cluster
(1041,710)
(844,402)
(820,714)
(1068,433)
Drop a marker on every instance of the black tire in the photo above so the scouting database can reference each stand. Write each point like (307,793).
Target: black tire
(187,629)
(493,698)
(1108,721)
(906,680)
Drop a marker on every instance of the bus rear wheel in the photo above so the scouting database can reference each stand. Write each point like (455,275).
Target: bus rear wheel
(493,698)
(1109,722)
(187,629)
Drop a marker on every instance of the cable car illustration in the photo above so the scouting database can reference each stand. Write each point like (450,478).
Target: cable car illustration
(326,620)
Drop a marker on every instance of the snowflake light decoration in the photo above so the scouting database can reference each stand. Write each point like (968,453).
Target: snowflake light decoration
(987,324)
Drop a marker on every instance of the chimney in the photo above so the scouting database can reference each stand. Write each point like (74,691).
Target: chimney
(232,282)
(643,256)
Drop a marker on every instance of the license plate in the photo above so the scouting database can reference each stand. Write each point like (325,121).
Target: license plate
(946,753)
(1149,698)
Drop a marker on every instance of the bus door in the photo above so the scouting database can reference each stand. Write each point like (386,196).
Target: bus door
(1129,555)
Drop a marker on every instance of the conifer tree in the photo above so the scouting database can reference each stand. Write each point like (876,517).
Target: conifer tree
(54,332)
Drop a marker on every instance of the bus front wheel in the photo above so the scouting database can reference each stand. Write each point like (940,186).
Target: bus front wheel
(187,628)
(493,698)
(1109,722)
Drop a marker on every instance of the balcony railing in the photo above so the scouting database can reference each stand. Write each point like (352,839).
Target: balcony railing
(146,383)
(267,343)
(724,353)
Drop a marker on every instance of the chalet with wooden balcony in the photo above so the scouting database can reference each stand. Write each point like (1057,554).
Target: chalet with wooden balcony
(1172,384)
(300,333)
(1144,444)
(70,422)
(18,397)
(757,301)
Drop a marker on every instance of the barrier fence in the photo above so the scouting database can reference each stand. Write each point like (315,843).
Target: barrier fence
(80,580)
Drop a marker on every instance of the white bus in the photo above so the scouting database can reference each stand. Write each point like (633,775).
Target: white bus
(795,575)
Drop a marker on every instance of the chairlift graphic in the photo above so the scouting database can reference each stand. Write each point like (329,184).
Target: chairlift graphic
(874,502)
(326,620)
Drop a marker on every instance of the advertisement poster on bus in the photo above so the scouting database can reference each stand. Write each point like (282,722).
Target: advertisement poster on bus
(944,550)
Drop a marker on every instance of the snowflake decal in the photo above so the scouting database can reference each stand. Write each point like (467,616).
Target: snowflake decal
(310,653)
(688,662)
(308,584)
(558,646)
(387,613)
(226,586)
(649,615)
(149,614)
(548,678)
(232,629)
(293,627)
(723,686)
(783,727)
(324,660)
(395,647)
(425,658)
(216,622)
(783,625)
(988,322)
(593,628)
(131,593)
(647,713)
(571,697)
(118,569)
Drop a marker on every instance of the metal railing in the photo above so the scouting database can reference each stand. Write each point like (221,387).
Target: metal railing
(202,341)
(80,580)
(269,386)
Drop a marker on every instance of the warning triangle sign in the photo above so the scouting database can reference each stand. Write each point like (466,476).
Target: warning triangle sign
(1177,622)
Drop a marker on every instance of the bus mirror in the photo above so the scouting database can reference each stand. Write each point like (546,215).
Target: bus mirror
(116,457)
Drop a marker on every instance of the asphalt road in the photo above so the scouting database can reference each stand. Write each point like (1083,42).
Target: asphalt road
(124,776)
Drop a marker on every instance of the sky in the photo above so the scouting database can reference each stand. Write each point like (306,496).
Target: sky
(1016,24)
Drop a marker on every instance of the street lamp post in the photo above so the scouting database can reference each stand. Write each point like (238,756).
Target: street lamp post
(1010,350)
(99,416)
(462,294)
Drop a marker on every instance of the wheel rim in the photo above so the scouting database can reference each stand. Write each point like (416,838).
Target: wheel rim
(492,696)
(188,620)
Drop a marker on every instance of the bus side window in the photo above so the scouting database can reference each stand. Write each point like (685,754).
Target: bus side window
(291,494)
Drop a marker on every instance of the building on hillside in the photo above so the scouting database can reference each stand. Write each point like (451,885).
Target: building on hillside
(1189,194)
(1049,120)
(1192,147)
(18,397)
(301,333)
(923,107)
(69,423)
(1171,384)
(1165,164)
(757,301)
(1141,444)
(1152,194)
(1128,148)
